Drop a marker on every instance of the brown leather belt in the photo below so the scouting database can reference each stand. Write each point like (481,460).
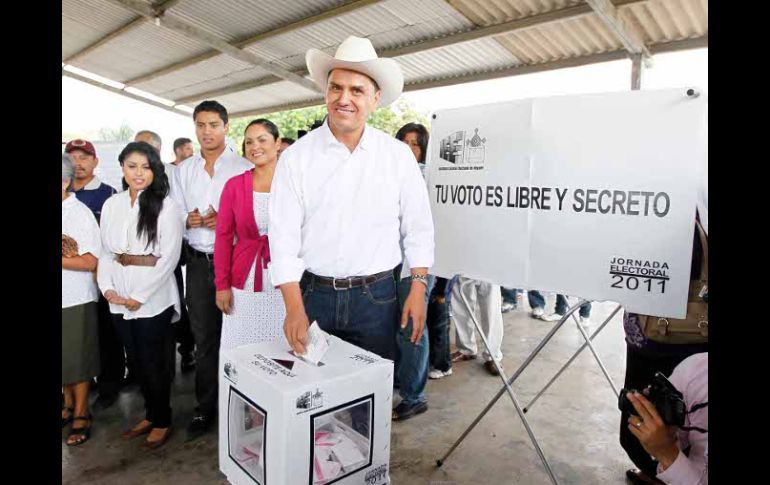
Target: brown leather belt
(350,282)
(137,260)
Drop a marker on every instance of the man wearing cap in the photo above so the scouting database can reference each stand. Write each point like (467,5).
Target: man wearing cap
(93,192)
(197,187)
(341,199)
(87,187)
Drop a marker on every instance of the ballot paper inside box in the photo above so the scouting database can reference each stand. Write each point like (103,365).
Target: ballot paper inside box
(286,421)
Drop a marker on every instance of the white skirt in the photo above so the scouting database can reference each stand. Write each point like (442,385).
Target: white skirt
(255,316)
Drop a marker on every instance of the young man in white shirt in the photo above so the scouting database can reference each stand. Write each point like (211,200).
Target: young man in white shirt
(197,186)
(341,199)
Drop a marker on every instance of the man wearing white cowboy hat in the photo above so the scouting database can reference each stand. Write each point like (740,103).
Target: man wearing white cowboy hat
(342,198)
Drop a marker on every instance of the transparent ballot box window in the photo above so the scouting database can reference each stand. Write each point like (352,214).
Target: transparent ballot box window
(342,440)
(246,435)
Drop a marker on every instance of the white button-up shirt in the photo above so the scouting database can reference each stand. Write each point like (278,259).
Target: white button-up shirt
(339,214)
(153,286)
(193,188)
(79,223)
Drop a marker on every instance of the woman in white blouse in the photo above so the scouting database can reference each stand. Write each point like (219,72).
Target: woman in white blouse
(79,332)
(141,240)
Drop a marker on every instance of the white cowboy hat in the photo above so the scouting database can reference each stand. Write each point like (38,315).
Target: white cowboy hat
(357,54)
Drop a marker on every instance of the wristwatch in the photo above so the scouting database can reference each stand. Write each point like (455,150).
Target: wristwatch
(421,278)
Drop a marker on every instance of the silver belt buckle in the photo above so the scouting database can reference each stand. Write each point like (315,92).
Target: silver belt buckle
(349,280)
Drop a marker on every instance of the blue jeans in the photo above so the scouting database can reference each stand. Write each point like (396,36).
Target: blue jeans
(365,316)
(536,300)
(509,295)
(412,359)
(437,324)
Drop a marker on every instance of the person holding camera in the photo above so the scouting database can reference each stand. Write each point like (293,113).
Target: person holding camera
(656,344)
(676,439)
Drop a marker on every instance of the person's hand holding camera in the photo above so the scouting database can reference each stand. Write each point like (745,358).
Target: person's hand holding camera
(657,439)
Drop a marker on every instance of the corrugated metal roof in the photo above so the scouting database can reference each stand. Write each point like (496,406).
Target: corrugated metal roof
(83,22)
(437,38)
(272,95)
(204,76)
(488,12)
(238,19)
(288,50)
(664,21)
(472,57)
(144,48)
(384,24)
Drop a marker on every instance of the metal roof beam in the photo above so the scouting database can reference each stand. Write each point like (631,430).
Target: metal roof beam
(305,22)
(428,44)
(173,23)
(478,21)
(628,35)
(636,72)
(234,88)
(687,44)
(121,92)
(136,22)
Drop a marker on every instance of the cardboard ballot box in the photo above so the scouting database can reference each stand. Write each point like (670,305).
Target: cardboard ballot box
(283,421)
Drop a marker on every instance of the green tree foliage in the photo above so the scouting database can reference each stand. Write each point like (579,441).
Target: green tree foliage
(388,119)
(122,133)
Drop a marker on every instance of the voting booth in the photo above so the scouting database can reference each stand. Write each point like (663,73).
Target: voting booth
(286,421)
(591,195)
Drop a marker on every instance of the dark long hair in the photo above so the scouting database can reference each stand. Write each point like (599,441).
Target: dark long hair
(422,137)
(151,198)
(267,124)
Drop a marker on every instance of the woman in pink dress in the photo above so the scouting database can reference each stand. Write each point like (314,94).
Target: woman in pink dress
(253,308)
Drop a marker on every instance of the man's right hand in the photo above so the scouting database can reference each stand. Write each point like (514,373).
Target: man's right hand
(194,219)
(295,327)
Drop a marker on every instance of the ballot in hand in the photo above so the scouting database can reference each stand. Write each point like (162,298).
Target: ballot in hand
(316,346)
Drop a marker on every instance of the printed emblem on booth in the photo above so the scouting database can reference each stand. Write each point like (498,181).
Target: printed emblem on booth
(461,150)
(309,401)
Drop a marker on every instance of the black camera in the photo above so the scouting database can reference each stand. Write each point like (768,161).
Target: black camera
(664,396)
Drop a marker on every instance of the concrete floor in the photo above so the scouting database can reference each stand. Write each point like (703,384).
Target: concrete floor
(576,423)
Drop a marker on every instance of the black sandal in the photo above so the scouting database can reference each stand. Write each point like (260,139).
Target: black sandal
(68,419)
(85,431)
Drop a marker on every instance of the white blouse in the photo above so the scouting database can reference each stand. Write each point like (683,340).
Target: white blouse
(79,223)
(153,286)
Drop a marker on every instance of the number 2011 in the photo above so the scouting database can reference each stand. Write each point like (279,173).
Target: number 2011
(632,283)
